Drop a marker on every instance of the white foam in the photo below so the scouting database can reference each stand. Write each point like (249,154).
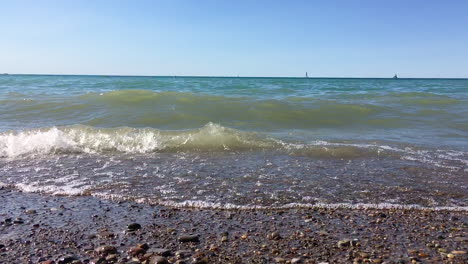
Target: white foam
(78,188)
(16,144)
(357,206)
(69,189)
(127,140)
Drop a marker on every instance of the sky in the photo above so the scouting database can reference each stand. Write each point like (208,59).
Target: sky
(366,38)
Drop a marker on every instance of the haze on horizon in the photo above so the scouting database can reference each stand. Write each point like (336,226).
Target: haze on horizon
(246,38)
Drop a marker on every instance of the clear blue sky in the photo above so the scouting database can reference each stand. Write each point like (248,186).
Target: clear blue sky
(366,38)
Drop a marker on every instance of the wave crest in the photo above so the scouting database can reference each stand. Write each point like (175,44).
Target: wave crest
(87,139)
(211,137)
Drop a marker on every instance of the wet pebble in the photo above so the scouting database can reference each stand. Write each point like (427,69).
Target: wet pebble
(298,260)
(18,220)
(180,254)
(135,251)
(189,238)
(67,260)
(133,227)
(158,260)
(105,250)
(98,261)
(344,243)
(274,236)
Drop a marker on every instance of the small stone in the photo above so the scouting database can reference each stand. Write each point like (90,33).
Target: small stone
(274,236)
(200,261)
(135,251)
(450,255)
(344,243)
(133,227)
(376,260)
(105,234)
(112,257)
(189,238)
(459,252)
(158,260)
(213,248)
(441,250)
(423,255)
(297,260)
(105,250)
(99,261)
(143,246)
(66,260)
(224,239)
(30,212)
(183,253)
(364,255)
(48,262)
(18,220)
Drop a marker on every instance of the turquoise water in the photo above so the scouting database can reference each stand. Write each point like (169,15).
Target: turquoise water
(416,111)
(414,128)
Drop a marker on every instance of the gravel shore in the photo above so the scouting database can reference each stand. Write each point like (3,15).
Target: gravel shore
(37,228)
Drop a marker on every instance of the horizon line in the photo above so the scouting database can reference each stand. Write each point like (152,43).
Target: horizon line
(225,76)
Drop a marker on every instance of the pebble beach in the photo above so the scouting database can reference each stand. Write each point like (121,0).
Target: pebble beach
(56,229)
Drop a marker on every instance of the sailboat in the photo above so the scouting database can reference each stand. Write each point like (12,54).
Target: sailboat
(307,76)
(395,77)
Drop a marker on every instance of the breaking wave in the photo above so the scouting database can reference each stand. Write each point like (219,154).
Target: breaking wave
(211,137)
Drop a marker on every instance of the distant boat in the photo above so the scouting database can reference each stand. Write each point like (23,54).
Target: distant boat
(307,75)
(395,77)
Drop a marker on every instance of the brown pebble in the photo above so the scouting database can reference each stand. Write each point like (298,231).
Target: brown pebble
(423,255)
(158,260)
(135,251)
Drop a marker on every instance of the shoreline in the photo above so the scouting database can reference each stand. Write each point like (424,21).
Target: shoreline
(36,228)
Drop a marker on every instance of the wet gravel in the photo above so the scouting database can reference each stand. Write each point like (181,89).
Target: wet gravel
(38,228)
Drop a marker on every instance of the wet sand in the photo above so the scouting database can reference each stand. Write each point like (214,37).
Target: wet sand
(38,228)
